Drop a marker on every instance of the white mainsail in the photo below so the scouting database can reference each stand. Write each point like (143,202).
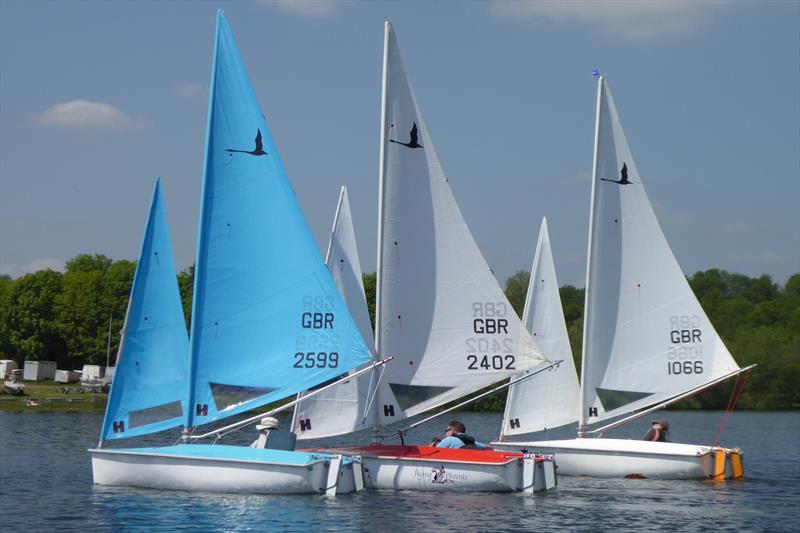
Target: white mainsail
(646,337)
(343,408)
(440,313)
(549,399)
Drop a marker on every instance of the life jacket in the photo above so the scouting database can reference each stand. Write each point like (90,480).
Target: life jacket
(469,442)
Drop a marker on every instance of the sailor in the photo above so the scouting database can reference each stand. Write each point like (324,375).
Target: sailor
(267,424)
(659,432)
(455,437)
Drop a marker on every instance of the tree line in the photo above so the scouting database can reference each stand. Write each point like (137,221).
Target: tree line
(64,317)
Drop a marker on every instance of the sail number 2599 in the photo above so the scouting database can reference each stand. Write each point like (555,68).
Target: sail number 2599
(316,360)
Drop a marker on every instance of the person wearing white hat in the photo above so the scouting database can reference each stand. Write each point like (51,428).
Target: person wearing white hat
(271,436)
(267,424)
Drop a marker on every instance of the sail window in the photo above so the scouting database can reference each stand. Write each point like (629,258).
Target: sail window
(227,396)
(614,399)
(151,415)
(410,395)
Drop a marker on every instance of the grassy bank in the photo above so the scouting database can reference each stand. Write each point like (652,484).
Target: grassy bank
(51,396)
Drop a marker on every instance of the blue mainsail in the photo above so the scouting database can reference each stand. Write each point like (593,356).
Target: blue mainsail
(149,390)
(267,319)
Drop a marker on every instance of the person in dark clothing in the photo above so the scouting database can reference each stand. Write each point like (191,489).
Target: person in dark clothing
(659,432)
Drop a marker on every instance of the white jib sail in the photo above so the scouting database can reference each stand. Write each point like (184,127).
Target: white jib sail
(549,399)
(646,338)
(343,408)
(441,313)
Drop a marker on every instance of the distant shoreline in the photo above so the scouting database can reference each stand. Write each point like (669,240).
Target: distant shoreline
(51,397)
(54,397)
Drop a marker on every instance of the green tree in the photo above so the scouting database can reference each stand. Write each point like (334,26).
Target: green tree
(28,318)
(95,289)
(88,263)
(6,349)
(369,291)
(517,290)
(82,317)
(186,287)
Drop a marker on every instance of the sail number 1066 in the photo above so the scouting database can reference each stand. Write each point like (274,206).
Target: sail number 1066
(675,368)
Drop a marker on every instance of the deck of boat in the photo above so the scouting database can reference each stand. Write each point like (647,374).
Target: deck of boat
(426,453)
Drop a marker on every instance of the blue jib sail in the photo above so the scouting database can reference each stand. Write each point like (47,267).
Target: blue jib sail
(267,320)
(149,390)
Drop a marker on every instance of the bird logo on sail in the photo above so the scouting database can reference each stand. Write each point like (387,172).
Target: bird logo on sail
(412,143)
(259,150)
(623,179)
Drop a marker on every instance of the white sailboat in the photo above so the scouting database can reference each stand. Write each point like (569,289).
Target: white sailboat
(440,313)
(550,399)
(267,321)
(346,407)
(647,341)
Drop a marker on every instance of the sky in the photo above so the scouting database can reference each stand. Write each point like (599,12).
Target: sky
(99,98)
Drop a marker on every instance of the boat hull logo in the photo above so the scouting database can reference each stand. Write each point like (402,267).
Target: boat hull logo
(439,475)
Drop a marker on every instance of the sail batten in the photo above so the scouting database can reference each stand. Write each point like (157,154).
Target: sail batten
(267,320)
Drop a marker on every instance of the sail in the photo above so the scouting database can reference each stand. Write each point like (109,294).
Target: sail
(441,314)
(343,408)
(149,389)
(646,338)
(267,320)
(549,399)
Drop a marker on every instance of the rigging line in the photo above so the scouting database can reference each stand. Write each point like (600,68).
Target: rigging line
(371,399)
(736,394)
(250,420)
(513,381)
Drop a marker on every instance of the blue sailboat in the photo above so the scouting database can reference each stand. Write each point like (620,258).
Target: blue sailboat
(267,319)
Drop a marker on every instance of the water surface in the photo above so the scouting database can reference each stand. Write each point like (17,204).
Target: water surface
(46,485)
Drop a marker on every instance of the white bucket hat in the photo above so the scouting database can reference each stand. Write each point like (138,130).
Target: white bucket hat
(268,422)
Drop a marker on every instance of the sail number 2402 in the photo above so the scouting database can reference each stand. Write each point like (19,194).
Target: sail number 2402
(488,320)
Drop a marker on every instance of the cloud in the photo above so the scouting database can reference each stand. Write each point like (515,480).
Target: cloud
(87,115)
(16,271)
(190,90)
(305,8)
(628,19)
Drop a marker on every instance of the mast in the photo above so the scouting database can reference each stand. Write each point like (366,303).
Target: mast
(199,267)
(381,203)
(584,360)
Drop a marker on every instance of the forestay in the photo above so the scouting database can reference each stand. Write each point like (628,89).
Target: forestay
(149,390)
(441,313)
(267,320)
(646,338)
(343,408)
(549,399)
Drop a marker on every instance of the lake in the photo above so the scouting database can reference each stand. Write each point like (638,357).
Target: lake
(46,485)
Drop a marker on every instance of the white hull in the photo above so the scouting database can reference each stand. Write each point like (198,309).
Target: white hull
(170,471)
(621,458)
(454,470)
